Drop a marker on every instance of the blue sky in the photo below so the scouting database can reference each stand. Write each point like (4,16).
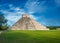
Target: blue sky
(46,12)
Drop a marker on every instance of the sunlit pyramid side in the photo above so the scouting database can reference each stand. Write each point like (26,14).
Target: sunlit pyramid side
(27,23)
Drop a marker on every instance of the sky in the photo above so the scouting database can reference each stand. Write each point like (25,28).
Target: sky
(46,12)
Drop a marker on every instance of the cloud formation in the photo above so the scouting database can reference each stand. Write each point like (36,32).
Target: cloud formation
(13,14)
(37,9)
(35,6)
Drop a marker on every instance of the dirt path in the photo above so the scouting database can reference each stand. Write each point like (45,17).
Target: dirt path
(1,32)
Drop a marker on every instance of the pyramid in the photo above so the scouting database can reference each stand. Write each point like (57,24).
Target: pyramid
(27,23)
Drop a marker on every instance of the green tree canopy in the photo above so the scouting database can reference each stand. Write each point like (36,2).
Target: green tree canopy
(3,21)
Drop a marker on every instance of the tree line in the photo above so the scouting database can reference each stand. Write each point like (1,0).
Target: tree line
(53,27)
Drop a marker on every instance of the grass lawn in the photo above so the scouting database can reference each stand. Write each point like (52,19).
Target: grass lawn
(30,36)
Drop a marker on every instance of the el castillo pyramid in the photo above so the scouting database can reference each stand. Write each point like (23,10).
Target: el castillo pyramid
(27,23)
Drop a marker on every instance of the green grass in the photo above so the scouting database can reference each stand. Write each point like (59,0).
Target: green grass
(27,36)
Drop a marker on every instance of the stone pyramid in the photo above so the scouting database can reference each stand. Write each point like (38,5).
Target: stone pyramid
(27,23)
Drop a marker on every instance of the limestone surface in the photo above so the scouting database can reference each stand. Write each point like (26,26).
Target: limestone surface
(27,23)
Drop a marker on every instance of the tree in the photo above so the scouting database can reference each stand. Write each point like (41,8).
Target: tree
(53,27)
(3,21)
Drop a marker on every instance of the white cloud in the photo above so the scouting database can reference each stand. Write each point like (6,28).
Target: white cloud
(33,17)
(12,7)
(15,8)
(12,19)
(13,16)
(35,6)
